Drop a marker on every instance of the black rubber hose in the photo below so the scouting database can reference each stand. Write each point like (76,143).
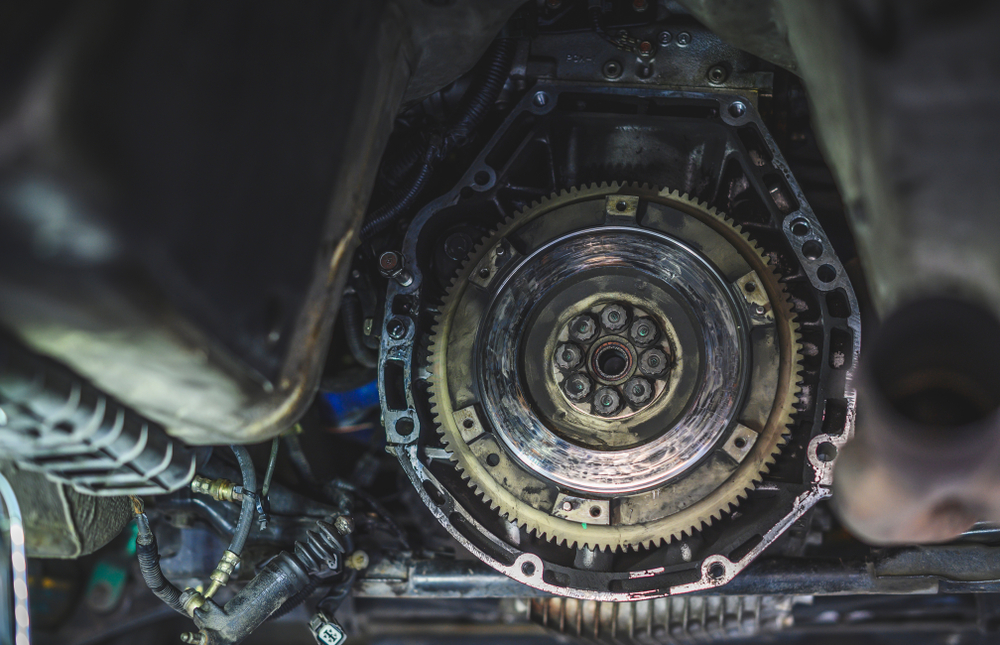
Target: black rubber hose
(295,600)
(470,114)
(350,314)
(401,165)
(149,564)
(482,95)
(337,594)
(385,215)
(249,507)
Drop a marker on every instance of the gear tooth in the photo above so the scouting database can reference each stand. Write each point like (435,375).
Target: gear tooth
(622,544)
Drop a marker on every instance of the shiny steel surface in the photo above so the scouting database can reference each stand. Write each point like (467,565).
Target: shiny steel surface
(715,400)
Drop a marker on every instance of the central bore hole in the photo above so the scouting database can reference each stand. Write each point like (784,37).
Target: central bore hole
(612,361)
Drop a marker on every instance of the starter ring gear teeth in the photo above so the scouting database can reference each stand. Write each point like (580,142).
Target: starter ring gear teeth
(687,521)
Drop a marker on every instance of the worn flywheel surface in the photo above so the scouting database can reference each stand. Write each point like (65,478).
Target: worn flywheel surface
(615,367)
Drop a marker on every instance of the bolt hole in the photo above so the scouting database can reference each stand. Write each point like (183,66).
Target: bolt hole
(595,511)
(484,273)
(750,287)
(482,178)
(800,227)
(716,571)
(493,459)
(404,427)
(812,249)
(826,273)
(826,452)
(740,443)
(468,423)
(528,568)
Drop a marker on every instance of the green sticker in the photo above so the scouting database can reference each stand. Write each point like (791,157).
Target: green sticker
(584,525)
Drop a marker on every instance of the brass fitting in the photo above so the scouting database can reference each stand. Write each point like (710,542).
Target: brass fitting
(195,638)
(194,601)
(220,577)
(218,489)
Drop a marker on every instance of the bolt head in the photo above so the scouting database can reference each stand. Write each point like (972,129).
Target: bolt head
(643,331)
(653,362)
(684,39)
(614,318)
(577,387)
(567,506)
(638,390)
(607,401)
(344,524)
(541,99)
(458,246)
(664,38)
(582,328)
(396,329)
(389,262)
(737,109)
(568,356)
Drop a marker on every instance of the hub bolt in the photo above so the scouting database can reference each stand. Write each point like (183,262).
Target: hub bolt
(568,356)
(638,390)
(614,318)
(578,387)
(582,328)
(607,401)
(643,331)
(653,362)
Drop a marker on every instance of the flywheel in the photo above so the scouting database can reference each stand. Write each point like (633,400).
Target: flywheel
(614,367)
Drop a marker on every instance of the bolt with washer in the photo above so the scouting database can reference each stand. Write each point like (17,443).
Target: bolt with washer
(390,264)
(577,387)
(638,390)
(664,38)
(568,356)
(344,524)
(614,317)
(458,246)
(653,362)
(612,69)
(643,331)
(582,328)
(396,329)
(607,401)
(684,39)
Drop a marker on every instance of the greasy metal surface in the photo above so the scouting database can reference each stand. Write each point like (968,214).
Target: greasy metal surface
(659,260)
(682,57)
(919,570)
(500,550)
(666,621)
(685,503)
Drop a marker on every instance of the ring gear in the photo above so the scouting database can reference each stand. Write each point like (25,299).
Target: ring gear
(688,518)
